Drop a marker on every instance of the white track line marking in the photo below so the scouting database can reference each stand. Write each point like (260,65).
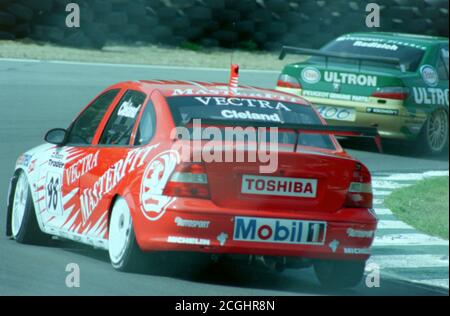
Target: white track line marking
(383,211)
(378,201)
(410,261)
(118,65)
(381,193)
(411,176)
(393,225)
(443,283)
(409,240)
(382,184)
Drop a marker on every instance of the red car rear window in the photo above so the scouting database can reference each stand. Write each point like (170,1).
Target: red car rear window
(235,109)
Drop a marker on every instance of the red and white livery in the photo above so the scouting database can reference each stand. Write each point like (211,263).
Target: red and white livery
(119,180)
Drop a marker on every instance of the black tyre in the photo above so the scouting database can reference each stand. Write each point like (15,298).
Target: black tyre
(246,6)
(419,25)
(24,227)
(279,6)
(403,13)
(97,32)
(209,42)
(7,19)
(438,3)
(161,33)
(77,38)
(245,27)
(37,6)
(148,21)
(228,16)
(193,33)
(199,13)
(47,33)
(4,2)
(277,29)
(339,274)
(20,11)
(261,15)
(215,4)
(226,38)
(22,30)
(167,13)
(7,36)
(117,18)
(135,10)
(435,133)
(124,252)
(101,6)
(411,3)
(183,4)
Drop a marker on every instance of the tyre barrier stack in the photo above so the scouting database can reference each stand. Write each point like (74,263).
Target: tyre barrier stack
(248,24)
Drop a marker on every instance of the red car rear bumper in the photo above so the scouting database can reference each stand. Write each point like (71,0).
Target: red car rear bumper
(200,226)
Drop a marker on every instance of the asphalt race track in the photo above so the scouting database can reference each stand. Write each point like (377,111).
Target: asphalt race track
(37,96)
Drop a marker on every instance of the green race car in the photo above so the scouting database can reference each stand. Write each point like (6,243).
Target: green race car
(395,82)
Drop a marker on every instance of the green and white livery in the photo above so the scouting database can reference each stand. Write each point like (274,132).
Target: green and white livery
(395,82)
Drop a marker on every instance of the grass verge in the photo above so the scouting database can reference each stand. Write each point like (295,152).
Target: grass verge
(424,206)
(146,55)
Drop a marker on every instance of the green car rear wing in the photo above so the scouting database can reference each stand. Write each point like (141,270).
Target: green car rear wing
(327,55)
(344,131)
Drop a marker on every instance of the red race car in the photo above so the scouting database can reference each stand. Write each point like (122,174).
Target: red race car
(227,170)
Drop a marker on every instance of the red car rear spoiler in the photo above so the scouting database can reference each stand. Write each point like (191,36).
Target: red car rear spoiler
(346,131)
(285,50)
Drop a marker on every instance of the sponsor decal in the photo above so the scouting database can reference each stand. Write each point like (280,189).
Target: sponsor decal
(24,160)
(311,75)
(267,230)
(357,251)
(238,102)
(127,109)
(55,164)
(191,223)
(355,233)
(351,79)
(430,96)
(81,167)
(154,180)
(188,241)
(381,41)
(222,239)
(429,75)
(334,245)
(336,96)
(91,197)
(58,155)
(225,92)
(247,115)
(337,113)
(377,45)
(278,186)
(382,111)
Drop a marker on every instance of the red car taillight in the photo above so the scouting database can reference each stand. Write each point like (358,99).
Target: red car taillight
(393,93)
(286,81)
(188,180)
(360,194)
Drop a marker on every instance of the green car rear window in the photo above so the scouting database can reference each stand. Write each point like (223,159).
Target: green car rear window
(409,56)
